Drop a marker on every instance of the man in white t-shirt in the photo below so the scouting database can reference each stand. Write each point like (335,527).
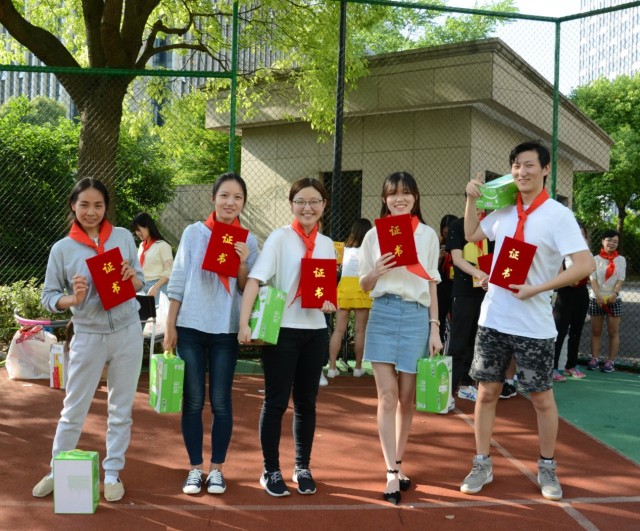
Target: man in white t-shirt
(520,323)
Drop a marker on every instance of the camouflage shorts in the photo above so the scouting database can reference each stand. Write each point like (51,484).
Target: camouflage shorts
(534,359)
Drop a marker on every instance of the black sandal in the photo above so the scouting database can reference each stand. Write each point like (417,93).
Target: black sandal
(405,484)
(392,497)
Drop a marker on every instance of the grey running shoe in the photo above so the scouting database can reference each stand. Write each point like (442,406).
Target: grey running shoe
(481,474)
(548,481)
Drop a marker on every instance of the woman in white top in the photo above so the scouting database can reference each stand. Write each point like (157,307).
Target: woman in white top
(351,298)
(403,325)
(295,363)
(606,283)
(155,255)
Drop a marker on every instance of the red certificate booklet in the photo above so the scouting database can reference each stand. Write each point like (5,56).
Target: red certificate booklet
(221,256)
(395,235)
(105,273)
(319,282)
(513,263)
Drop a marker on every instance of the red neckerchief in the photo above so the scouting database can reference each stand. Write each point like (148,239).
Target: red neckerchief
(309,241)
(417,269)
(78,234)
(210,222)
(522,213)
(145,245)
(611,268)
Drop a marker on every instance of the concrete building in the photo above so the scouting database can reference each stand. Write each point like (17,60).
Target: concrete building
(441,113)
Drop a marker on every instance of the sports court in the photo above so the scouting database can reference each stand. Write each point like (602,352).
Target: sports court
(601,484)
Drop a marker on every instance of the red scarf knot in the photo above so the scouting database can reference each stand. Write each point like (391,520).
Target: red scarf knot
(611,267)
(78,234)
(145,246)
(523,214)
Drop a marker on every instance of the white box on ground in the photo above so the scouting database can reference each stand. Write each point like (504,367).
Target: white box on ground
(76,482)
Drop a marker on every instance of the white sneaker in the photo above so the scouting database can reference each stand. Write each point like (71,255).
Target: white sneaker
(468,392)
(359,372)
(323,380)
(332,373)
(450,406)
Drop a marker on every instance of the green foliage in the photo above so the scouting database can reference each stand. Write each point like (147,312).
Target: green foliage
(143,175)
(37,173)
(23,297)
(194,154)
(615,106)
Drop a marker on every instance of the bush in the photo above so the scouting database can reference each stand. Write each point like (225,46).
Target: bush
(24,296)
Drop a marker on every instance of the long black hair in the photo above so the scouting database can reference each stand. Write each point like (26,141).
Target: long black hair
(401,180)
(358,230)
(146,221)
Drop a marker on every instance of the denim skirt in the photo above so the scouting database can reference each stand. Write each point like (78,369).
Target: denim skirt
(397,333)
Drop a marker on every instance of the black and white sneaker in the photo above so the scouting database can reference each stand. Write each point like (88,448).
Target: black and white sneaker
(274,484)
(508,391)
(215,482)
(302,476)
(193,483)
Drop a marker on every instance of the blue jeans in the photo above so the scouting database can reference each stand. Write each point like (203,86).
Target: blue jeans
(293,365)
(148,284)
(220,352)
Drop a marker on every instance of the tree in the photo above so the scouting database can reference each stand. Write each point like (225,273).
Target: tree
(117,34)
(615,106)
(38,172)
(196,155)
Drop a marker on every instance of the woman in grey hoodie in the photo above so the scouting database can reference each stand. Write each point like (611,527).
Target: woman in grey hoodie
(102,337)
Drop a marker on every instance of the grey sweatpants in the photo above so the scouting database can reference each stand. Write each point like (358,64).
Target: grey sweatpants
(88,354)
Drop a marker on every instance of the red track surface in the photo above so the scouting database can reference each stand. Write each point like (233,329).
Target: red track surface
(601,488)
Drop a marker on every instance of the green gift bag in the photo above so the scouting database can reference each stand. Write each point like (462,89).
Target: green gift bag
(166,379)
(76,482)
(266,315)
(433,384)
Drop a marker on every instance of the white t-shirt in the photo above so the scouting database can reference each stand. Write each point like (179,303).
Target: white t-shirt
(607,286)
(279,262)
(399,281)
(158,260)
(555,232)
(351,261)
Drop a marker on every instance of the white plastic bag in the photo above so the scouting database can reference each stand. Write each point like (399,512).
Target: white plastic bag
(162,310)
(28,357)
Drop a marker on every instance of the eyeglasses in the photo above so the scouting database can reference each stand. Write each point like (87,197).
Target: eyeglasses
(614,242)
(313,203)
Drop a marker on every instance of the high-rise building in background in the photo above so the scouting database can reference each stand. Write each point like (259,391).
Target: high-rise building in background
(609,43)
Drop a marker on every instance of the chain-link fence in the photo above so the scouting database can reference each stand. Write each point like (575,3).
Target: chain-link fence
(440,92)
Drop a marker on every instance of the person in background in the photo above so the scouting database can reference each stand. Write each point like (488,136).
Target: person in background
(569,314)
(295,363)
(403,326)
(445,286)
(154,253)
(605,301)
(351,298)
(469,286)
(202,322)
(112,337)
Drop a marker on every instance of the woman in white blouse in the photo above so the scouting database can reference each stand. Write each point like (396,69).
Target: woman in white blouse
(154,253)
